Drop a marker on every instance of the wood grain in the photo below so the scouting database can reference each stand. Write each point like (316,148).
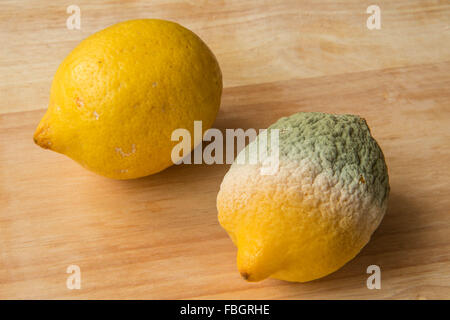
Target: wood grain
(158,237)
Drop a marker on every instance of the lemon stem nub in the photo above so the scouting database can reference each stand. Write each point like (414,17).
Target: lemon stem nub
(41,137)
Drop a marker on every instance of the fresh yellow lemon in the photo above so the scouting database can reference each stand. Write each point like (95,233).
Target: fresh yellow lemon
(319,208)
(118,96)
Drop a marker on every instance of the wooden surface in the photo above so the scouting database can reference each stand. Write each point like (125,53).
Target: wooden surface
(158,237)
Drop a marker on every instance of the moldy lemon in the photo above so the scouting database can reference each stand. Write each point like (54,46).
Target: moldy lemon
(318,210)
(118,96)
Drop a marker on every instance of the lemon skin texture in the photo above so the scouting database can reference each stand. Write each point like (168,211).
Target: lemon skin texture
(317,211)
(118,96)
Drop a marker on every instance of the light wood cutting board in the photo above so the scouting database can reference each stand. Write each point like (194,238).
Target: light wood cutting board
(158,237)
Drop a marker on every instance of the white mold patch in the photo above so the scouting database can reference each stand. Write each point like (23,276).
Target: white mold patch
(96,115)
(126,154)
(79,102)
